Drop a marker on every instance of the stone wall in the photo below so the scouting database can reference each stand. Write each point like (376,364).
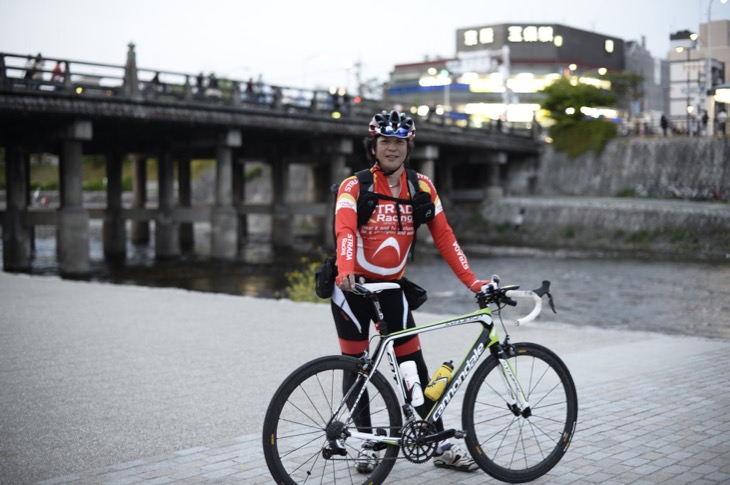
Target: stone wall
(659,167)
(574,204)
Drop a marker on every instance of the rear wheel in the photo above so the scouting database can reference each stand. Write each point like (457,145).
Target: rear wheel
(519,445)
(306,429)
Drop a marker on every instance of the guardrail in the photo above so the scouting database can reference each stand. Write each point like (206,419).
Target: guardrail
(24,73)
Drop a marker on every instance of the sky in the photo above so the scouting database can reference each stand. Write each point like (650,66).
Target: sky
(311,43)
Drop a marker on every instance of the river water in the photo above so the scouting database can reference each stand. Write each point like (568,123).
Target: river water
(673,297)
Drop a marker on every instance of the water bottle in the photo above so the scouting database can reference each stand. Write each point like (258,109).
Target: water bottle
(438,383)
(413,384)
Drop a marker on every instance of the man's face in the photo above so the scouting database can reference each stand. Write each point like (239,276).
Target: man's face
(390,151)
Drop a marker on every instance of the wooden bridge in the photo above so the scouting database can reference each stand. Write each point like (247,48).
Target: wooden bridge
(122,111)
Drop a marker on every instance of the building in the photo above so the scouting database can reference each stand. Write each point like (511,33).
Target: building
(498,71)
(693,59)
(655,87)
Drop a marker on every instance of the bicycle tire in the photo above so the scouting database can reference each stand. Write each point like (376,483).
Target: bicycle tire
(511,447)
(294,432)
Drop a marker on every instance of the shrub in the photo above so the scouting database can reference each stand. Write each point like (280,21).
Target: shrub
(300,282)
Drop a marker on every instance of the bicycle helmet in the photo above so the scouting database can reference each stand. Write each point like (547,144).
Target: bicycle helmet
(393,124)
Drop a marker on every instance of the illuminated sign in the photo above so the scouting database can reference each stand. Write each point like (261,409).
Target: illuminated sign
(515,34)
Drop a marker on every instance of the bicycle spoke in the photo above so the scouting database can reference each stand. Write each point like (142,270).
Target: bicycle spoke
(306,429)
(511,443)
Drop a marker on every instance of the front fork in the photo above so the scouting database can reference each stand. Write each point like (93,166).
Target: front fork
(515,398)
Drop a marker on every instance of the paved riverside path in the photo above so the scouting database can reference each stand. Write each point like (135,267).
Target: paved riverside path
(119,384)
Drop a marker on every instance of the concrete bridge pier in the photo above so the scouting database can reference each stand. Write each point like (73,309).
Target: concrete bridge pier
(114,229)
(494,188)
(224,217)
(72,236)
(424,160)
(140,228)
(185,199)
(239,197)
(281,223)
(336,171)
(17,234)
(167,235)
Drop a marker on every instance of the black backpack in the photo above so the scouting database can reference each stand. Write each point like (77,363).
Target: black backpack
(423,213)
(423,209)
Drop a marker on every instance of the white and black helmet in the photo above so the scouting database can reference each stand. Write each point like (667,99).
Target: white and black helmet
(393,124)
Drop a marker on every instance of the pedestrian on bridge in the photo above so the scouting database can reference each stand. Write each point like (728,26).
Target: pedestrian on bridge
(57,74)
(38,66)
(213,90)
(29,68)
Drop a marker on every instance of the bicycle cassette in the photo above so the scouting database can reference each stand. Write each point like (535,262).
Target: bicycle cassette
(416,448)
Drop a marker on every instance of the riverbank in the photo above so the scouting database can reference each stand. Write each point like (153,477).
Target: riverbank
(659,229)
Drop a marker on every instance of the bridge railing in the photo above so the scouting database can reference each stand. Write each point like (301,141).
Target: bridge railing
(19,73)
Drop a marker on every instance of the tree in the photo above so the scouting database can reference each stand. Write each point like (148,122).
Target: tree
(573,131)
(564,99)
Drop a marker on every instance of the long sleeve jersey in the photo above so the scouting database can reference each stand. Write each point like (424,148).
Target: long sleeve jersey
(379,249)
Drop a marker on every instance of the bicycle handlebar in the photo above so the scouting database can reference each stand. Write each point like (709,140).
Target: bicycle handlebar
(504,296)
(526,294)
(498,296)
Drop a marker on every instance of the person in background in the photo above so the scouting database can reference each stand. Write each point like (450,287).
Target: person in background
(38,66)
(377,250)
(29,68)
(57,74)
(664,123)
(213,90)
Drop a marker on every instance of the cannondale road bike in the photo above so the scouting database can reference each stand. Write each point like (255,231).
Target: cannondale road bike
(519,412)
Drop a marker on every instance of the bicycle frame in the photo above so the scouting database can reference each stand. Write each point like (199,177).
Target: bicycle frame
(487,339)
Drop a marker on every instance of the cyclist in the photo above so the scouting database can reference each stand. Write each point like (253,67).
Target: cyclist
(377,250)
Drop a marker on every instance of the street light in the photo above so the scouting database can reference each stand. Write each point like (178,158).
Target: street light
(708,77)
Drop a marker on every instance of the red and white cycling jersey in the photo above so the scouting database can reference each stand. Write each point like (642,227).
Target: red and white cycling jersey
(379,249)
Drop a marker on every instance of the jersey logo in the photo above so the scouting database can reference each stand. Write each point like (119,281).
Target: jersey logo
(390,242)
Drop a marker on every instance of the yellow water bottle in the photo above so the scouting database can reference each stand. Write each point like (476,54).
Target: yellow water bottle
(438,383)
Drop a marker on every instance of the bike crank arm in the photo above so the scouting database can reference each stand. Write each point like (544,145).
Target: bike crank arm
(440,436)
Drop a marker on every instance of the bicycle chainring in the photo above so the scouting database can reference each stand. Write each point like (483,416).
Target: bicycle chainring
(414,449)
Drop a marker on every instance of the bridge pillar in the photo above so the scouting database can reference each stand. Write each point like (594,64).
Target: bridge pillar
(426,156)
(167,236)
(114,233)
(72,236)
(185,199)
(494,187)
(17,235)
(140,228)
(336,171)
(224,218)
(239,197)
(281,224)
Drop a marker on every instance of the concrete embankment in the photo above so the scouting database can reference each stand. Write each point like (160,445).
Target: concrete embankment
(675,203)
(636,227)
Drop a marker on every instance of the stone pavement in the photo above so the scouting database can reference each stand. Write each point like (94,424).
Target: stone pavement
(652,407)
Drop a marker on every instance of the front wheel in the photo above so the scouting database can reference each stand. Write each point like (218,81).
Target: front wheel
(518,445)
(308,425)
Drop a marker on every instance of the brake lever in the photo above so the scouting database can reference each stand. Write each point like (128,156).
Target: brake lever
(545,290)
(550,301)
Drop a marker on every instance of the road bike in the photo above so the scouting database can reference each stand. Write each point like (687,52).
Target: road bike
(519,411)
